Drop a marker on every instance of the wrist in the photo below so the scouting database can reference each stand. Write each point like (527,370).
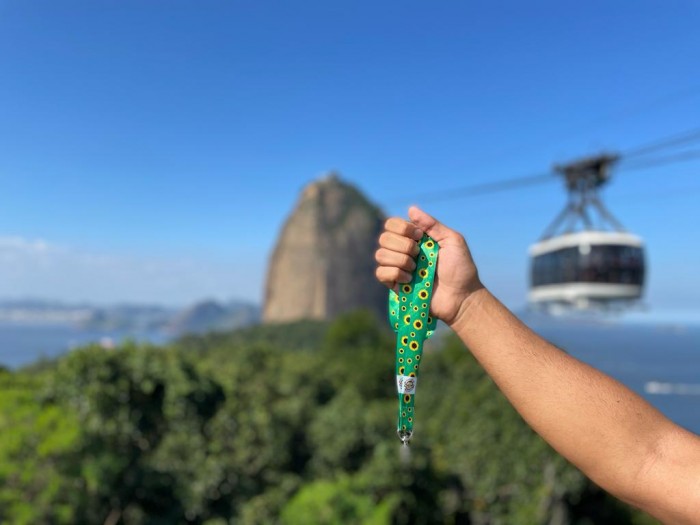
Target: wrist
(468,309)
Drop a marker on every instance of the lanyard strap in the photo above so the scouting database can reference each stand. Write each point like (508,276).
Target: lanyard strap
(409,315)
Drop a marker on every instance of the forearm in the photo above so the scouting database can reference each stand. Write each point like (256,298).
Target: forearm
(601,426)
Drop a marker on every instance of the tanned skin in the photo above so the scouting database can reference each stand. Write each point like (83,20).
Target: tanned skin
(616,438)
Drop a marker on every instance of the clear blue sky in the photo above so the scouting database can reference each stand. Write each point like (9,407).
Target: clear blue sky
(151,150)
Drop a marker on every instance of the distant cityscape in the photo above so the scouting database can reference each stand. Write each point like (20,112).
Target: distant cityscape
(200,317)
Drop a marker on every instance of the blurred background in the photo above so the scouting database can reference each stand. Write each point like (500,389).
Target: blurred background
(191,192)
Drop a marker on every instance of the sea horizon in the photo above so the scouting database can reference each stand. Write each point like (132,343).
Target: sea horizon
(660,361)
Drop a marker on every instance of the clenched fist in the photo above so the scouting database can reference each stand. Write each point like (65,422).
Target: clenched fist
(456,277)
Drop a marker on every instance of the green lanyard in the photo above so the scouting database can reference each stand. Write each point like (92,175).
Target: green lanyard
(409,315)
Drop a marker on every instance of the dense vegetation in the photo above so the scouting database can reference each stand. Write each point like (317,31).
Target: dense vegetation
(284,424)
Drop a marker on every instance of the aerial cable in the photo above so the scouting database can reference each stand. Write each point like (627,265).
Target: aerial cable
(637,109)
(683,156)
(613,116)
(686,137)
(486,187)
(632,110)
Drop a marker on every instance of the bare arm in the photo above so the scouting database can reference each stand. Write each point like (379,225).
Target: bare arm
(615,437)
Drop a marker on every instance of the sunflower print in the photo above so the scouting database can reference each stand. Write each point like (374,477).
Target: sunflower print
(413,324)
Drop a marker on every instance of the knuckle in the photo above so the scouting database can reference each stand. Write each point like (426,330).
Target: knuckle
(402,277)
(383,256)
(394,224)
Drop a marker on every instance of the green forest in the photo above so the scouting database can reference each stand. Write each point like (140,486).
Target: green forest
(283,424)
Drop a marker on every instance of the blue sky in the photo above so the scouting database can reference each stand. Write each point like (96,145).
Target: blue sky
(151,150)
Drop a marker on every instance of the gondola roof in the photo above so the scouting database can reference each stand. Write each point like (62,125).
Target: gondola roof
(587,237)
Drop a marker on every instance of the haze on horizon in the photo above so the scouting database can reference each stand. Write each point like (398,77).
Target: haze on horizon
(151,153)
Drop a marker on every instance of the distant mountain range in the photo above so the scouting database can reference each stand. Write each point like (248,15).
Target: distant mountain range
(200,317)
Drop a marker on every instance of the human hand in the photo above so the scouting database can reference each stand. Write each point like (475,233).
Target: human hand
(456,276)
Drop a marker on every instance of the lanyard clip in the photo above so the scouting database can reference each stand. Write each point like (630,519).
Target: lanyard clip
(405,436)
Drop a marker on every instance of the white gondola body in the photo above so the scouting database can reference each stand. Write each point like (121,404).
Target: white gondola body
(587,268)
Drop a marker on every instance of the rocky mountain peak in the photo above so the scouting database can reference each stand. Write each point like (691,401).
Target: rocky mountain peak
(323,262)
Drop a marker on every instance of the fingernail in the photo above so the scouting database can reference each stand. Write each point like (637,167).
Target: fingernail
(417,234)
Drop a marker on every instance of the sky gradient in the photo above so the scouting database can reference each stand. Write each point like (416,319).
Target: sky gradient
(151,151)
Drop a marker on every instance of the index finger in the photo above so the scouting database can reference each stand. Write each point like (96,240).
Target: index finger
(402,227)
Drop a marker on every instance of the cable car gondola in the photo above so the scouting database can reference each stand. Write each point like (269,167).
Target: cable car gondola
(596,266)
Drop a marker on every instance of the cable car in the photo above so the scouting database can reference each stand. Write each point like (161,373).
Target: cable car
(584,265)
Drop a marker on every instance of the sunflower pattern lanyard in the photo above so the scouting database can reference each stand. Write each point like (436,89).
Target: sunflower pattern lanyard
(409,315)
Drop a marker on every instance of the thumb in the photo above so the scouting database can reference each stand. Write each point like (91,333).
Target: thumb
(430,225)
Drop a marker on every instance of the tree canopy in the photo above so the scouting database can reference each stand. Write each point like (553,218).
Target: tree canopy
(285,424)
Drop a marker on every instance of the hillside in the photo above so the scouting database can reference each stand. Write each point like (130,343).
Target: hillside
(289,424)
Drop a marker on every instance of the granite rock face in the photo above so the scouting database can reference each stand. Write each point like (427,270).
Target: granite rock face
(323,263)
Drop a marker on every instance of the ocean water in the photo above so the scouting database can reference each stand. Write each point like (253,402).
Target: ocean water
(659,362)
(23,344)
